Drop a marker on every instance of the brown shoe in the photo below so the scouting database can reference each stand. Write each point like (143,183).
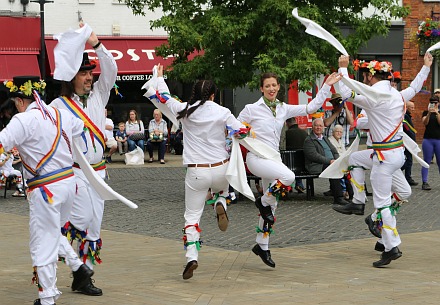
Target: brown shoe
(189,269)
(222,217)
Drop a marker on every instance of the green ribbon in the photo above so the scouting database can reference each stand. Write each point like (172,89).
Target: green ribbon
(272,105)
(197,243)
(84,97)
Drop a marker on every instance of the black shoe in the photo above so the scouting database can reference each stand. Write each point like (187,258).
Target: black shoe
(341,201)
(328,193)
(81,277)
(190,267)
(90,289)
(264,255)
(426,186)
(265,212)
(351,208)
(412,182)
(387,257)
(37,302)
(379,247)
(108,159)
(373,227)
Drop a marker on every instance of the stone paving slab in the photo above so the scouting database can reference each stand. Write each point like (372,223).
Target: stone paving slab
(141,270)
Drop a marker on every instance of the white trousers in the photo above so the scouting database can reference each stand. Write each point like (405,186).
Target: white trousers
(269,171)
(15,172)
(45,234)
(381,180)
(88,209)
(362,158)
(198,181)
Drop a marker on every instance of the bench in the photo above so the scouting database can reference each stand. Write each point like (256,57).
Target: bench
(295,161)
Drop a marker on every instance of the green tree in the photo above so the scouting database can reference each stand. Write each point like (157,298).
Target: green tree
(234,39)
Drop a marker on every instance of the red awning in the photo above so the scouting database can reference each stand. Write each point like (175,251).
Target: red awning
(18,64)
(133,55)
(20,34)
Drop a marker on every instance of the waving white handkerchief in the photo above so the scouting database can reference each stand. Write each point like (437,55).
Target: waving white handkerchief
(236,172)
(315,29)
(68,52)
(433,47)
(413,148)
(151,86)
(337,168)
(102,188)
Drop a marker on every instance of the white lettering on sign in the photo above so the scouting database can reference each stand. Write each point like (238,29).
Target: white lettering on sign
(133,53)
(135,77)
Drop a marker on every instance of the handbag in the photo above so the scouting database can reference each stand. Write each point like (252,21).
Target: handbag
(137,136)
(156,138)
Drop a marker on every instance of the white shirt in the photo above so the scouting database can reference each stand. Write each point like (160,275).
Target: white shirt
(135,127)
(96,102)
(385,116)
(204,130)
(268,128)
(8,164)
(24,131)
(109,133)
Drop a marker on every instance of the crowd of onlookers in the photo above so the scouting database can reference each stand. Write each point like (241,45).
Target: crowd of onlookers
(132,134)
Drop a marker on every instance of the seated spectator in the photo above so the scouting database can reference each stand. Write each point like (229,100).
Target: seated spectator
(338,143)
(6,169)
(295,137)
(319,154)
(135,131)
(110,139)
(178,142)
(158,131)
(121,138)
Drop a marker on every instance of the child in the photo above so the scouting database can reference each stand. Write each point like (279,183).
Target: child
(6,169)
(121,138)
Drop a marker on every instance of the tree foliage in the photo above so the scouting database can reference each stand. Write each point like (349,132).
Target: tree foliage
(233,40)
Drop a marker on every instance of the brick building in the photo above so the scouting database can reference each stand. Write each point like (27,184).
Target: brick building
(413,57)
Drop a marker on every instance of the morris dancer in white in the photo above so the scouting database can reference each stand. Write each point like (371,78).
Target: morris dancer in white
(266,117)
(359,162)
(86,101)
(43,136)
(385,122)
(204,123)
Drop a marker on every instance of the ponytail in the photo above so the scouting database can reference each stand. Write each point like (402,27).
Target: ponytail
(202,90)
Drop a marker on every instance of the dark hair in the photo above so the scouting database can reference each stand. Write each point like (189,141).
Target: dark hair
(201,91)
(8,108)
(136,115)
(266,76)
(67,89)
(434,98)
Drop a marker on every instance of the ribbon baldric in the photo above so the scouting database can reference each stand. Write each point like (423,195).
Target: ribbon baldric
(387,144)
(47,195)
(95,132)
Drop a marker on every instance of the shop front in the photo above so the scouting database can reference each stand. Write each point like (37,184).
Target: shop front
(135,57)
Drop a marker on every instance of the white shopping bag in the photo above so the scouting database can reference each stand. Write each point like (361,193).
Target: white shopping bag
(135,157)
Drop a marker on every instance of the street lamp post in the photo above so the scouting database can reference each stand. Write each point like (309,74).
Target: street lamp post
(43,45)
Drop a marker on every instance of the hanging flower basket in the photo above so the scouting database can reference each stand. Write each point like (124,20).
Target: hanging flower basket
(428,32)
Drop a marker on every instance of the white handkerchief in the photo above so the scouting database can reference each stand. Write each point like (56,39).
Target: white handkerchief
(69,51)
(315,29)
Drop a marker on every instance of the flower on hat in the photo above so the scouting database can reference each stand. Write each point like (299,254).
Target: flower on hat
(27,87)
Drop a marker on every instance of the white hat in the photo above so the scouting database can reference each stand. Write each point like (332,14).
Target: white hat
(437,90)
